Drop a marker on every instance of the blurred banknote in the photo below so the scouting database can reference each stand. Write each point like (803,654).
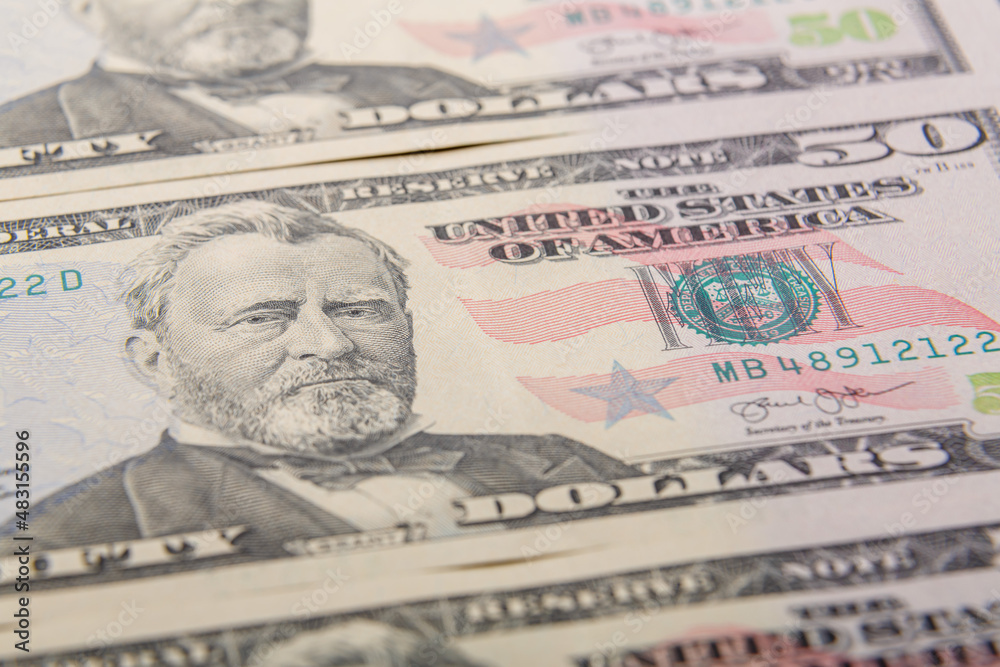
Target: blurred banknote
(111,92)
(928,597)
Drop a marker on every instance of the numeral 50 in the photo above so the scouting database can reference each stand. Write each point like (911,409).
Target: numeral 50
(864,25)
(854,145)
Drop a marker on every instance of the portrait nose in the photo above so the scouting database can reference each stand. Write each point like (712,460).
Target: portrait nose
(314,335)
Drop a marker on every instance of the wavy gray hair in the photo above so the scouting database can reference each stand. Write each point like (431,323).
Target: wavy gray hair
(147,286)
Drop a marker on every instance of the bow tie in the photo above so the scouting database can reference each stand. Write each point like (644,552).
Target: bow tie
(248,90)
(339,474)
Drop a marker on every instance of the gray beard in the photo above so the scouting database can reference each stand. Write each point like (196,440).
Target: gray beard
(359,401)
(234,51)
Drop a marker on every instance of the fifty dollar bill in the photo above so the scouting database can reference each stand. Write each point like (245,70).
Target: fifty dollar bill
(596,333)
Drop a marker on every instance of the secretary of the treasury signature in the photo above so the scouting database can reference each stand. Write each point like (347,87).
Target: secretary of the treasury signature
(827,401)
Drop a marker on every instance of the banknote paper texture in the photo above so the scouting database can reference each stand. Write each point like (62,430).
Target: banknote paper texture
(347,362)
(126,94)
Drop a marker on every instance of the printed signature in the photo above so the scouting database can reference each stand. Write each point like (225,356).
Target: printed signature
(827,401)
(673,43)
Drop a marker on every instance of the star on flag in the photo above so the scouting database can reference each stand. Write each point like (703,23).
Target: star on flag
(489,38)
(625,394)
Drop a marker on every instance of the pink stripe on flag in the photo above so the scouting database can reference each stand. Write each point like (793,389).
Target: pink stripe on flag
(560,314)
(573,311)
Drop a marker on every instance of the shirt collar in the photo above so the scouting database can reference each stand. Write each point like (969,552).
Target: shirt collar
(112,62)
(199,436)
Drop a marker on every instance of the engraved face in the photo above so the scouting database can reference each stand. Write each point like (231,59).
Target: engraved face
(206,38)
(302,346)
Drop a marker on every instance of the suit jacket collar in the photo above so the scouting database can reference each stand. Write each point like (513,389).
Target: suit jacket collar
(177,489)
(105,103)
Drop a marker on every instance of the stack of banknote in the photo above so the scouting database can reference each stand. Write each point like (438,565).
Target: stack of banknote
(537,332)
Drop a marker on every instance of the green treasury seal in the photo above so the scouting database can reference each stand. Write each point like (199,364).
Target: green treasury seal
(746,300)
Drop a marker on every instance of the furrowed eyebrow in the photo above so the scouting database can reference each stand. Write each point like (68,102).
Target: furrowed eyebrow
(289,304)
(330,305)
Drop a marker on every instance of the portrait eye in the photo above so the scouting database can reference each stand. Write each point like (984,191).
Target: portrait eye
(358,310)
(261,319)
